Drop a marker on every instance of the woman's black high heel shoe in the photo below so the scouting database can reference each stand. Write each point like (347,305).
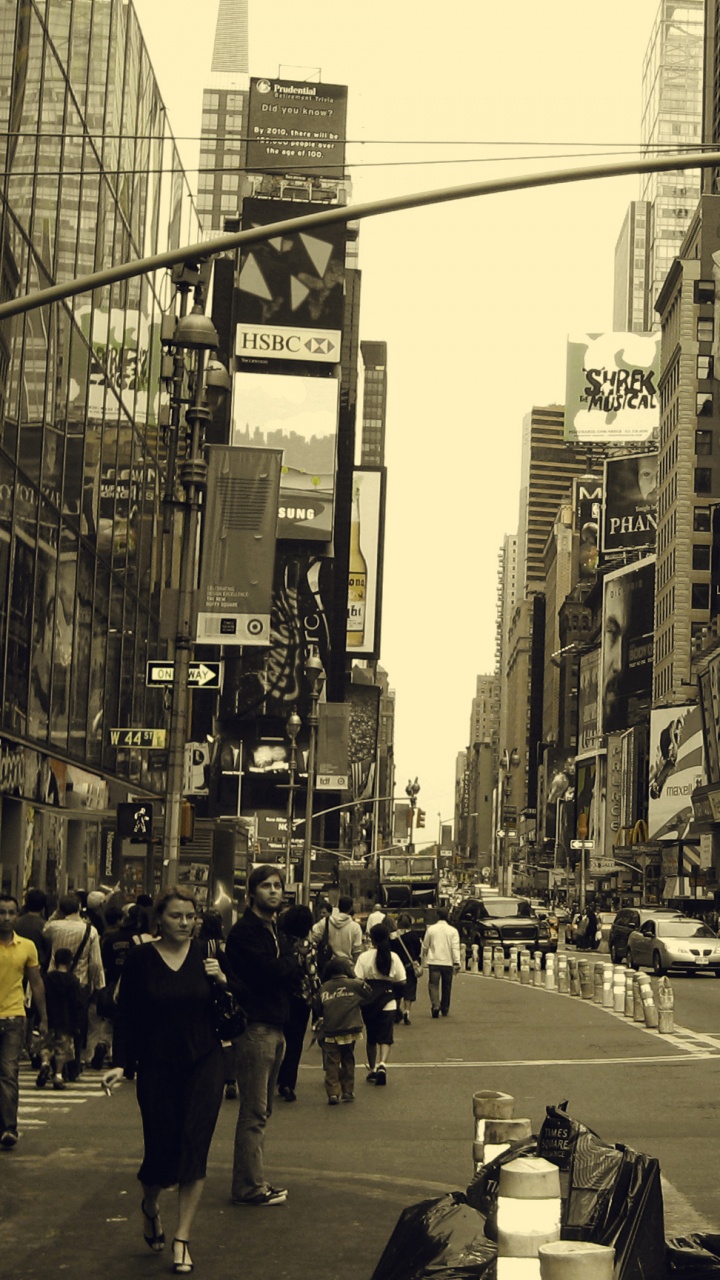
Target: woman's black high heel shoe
(183,1265)
(155,1241)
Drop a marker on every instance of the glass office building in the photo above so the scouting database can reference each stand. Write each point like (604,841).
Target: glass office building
(91,178)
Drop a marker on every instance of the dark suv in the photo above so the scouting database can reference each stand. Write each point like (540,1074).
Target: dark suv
(630,918)
(506,922)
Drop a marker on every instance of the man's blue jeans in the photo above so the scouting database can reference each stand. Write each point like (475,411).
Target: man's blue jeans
(260,1052)
(12,1038)
(440,978)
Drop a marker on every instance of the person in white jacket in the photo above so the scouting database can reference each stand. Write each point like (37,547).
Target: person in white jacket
(441,954)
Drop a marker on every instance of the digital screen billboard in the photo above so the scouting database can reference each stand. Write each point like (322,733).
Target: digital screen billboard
(300,416)
(676,768)
(629,520)
(290,289)
(296,127)
(627,644)
(611,391)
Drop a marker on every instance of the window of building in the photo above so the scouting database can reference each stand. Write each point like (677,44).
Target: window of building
(704,366)
(703,444)
(701,520)
(703,479)
(705,330)
(701,558)
(703,404)
(700,595)
(704,291)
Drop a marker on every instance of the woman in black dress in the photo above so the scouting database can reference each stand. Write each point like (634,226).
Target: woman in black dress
(164,1031)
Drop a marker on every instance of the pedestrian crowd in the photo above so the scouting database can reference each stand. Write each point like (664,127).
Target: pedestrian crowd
(161,997)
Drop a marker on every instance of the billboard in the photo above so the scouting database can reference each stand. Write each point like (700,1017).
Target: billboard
(676,768)
(587,510)
(627,644)
(629,520)
(709,685)
(365,564)
(290,290)
(588,735)
(296,127)
(300,416)
(611,391)
(238,551)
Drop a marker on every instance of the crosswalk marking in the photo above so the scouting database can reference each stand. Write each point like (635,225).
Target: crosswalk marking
(36,1106)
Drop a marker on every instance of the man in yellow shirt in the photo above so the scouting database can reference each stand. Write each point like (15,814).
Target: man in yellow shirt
(18,960)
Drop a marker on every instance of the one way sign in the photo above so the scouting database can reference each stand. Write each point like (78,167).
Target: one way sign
(201,675)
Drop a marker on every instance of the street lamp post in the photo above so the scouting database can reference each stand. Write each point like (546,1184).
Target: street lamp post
(292,728)
(316,679)
(196,333)
(508,761)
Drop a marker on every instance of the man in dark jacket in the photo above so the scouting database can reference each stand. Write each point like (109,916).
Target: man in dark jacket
(260,960)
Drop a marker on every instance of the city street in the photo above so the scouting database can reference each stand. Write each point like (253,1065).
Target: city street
(69,1198)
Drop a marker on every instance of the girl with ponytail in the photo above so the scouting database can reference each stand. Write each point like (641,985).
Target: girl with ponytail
(385,974)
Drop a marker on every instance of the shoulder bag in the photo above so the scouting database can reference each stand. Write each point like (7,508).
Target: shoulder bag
(228,1016)
(414,964)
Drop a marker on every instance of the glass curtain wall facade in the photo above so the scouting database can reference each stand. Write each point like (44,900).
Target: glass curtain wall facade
(92,178)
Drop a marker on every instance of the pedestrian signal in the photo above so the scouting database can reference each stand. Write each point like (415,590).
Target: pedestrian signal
(134,822)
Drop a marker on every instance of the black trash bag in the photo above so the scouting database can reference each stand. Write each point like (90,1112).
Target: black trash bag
(482,1193)
(695,1257)
(441,1239)
(611,1195)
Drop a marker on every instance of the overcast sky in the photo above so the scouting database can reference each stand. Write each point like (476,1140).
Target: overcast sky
(474,299)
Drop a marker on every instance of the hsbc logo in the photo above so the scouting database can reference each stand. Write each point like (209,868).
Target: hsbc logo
(281,343)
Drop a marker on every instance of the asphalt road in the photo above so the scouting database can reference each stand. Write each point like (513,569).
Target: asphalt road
(69,1196)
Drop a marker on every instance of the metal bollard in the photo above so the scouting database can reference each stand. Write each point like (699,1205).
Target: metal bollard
(528,1214)
(629,993)
(499,962)
(607,990)
(563,978)
(513,973)
(618,991)
(638,1011)
(550,978)
(463,956)
(648,1002)
(598,979)
(574,976)
(474,953)
(666,1006)
(525,967)
(586,979)
(487,961)
(576,1260)
(488,1104)
(537,969)
(500,1133)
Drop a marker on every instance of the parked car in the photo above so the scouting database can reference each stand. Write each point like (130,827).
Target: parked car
(496,921)
(629,919)
(664,944)
(571,925)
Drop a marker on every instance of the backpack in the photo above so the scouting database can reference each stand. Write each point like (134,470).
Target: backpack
(325,952)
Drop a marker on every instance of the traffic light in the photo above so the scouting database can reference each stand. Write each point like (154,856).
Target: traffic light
(421,817)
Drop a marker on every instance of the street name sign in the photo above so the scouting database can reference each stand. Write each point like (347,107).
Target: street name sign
(582,844)
(203,675)
(145,738)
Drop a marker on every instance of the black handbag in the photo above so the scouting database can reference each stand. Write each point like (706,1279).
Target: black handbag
(229,1017)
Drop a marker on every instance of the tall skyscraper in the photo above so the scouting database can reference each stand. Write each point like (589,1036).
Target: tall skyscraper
(547,468)
(372,440)
(224,119)
(672,115)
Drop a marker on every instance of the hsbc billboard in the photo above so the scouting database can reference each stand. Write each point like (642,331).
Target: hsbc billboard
(291,288)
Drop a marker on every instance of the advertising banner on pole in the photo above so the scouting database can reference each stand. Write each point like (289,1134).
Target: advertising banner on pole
(298,415)
(630,510)
(611,392)
(296,127)
(589,735)
(587,510)
(627,644)
(676,769)
(290,290)
(238,551)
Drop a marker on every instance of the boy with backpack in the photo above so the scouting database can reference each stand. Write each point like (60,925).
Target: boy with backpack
(339,1024)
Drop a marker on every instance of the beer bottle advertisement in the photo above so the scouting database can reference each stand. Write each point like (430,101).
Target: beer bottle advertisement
(357,580)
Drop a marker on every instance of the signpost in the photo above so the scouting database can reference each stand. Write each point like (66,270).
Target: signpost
(582,845)
(202,675)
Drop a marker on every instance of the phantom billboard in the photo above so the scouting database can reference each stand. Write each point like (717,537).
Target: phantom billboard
(630,511)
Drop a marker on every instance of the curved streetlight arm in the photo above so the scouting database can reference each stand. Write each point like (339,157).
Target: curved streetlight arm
(352,213)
